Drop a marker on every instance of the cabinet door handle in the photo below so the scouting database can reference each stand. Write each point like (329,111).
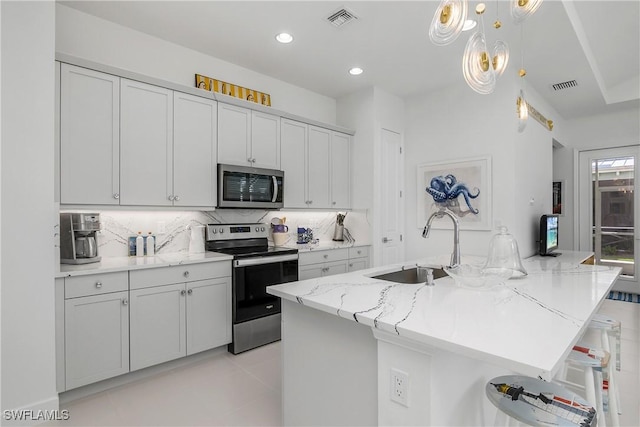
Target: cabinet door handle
(170,198)
(116,196)
(325,256)
(186,274)
(350,265)
(183,292)
(190,291)
(98,285)
(386,240)
(125,301)
(333,203)
(176,198)
(253,160)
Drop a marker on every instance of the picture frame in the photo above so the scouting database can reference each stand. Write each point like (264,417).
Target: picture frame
(557,197)
(475,175)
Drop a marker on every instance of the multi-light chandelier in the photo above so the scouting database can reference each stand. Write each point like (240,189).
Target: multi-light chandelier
(481,66)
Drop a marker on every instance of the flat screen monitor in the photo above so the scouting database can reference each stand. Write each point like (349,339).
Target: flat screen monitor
(549,235)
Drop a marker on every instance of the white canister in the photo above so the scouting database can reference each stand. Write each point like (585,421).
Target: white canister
(196,241)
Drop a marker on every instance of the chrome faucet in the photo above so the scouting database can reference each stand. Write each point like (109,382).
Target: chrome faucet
(455,256)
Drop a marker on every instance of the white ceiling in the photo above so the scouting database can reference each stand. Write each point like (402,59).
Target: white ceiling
(596,43)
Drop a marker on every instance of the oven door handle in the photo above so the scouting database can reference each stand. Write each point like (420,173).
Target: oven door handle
(275,189)
(264,260)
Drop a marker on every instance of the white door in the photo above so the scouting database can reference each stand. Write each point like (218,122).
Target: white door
(158,328)
(391,245)
(608,210)
(293,161)
(234,135)
(318,168)
(89,137)
(265,140)
(146,144)
(208,314)
(96,330)
(340,171)
(194,150)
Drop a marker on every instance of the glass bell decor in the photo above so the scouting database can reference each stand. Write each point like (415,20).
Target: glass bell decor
(504,257)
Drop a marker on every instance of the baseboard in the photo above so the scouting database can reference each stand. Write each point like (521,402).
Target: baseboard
(34,413)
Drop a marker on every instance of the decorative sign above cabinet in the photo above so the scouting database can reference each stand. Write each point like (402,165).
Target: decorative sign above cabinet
(218,86)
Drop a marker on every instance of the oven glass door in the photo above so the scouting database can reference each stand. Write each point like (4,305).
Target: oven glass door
(250,297)
(251,187)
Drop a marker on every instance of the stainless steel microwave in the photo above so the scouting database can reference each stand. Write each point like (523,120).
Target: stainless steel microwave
(249,188)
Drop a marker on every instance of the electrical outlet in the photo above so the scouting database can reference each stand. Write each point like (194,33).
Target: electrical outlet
(162,227)
(399,391)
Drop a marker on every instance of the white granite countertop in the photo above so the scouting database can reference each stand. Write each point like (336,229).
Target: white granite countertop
(111,264)
(324,245)
(526,325)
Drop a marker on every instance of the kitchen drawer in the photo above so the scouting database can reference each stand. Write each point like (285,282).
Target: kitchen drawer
(359,252)
(140,279)
(315,257)
(95,284)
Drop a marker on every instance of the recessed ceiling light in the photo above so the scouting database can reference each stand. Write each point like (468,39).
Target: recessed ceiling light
(284,38)
(356,71)
(469,24)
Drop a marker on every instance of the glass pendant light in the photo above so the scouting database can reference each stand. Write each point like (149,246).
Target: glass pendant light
(522,9)
(476,63)
(522,110)
(448,21)
(500,57)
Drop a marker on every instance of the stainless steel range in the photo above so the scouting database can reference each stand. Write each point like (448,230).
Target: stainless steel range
(256,265)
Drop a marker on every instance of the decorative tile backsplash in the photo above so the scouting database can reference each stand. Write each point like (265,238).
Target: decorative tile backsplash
(172,228)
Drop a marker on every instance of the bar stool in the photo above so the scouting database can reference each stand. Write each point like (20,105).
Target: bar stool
(593,362)
(610,331)
(538,403)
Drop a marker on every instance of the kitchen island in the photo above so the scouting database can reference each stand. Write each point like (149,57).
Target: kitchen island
(345,337)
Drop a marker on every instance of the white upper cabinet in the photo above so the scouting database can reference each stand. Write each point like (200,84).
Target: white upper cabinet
(340,171)
(146,149)
(265,140)
(194,150)
(248,138)
(318,195)
(89,137)
(316,168)
(293,157)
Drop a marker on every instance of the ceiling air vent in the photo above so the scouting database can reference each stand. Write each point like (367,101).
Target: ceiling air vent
(565,85)
(341,17)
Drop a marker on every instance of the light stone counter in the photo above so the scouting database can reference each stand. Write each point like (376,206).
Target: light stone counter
(111,264)
(524,326)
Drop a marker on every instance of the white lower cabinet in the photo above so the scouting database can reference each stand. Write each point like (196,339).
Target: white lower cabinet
(174,320)
(96,330)
(332,261)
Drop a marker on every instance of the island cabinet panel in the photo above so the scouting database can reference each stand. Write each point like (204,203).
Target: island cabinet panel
(89,137)
(96,338)
(146,132)
(194,150)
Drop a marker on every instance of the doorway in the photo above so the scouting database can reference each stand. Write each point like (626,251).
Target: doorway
(608,210)
(391,202)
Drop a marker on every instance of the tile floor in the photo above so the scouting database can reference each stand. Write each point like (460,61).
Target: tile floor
(245,389)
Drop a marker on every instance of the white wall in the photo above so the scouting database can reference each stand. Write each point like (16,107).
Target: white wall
(28,349)
(98,40)
(457,123)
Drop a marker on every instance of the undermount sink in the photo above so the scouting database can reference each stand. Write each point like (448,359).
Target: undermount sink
(408,275)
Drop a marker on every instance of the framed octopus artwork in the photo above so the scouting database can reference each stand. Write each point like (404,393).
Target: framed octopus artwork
(462,186)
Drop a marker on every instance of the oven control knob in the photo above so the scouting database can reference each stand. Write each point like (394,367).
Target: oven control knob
(257,229)
(214,231)
(261,228)
(221,230)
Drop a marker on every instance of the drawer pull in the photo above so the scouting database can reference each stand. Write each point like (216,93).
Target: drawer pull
(359,252)
(183,292)
(350,265)
(326,256)
(269,307)
(125,302)
(98,285)
(190,291)
(186,274)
